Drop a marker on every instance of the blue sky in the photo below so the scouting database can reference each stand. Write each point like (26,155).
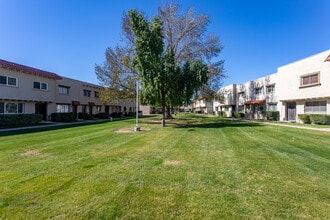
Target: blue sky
(69,37)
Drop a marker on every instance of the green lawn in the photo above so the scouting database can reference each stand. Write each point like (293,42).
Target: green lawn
(195,168)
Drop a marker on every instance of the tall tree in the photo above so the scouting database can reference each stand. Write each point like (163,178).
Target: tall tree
(148,59)
(186,33)
(182,51)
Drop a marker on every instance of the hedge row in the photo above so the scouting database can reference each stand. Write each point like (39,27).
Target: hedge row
(315,119)
(20,119)
(63,117)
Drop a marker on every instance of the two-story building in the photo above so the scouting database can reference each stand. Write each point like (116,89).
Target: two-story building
(226,100)
(301,87)
(25,89)
(201,105)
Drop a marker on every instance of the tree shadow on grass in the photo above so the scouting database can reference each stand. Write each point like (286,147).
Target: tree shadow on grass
(40,128)
(215,124)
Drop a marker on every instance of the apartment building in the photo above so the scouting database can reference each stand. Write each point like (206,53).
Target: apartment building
(301,87)
(25,89)
(201,105)
(226,101)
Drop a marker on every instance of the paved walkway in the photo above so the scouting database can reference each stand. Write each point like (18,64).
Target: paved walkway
(295,126)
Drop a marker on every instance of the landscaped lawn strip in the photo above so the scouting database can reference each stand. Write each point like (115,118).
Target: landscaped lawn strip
(195,168)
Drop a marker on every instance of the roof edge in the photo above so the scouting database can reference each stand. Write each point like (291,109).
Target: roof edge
(27,69)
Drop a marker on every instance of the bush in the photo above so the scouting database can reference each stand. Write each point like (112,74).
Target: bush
(222,114)
(20,119)
(84,116)
(63,117)
(304,118)
(239,114)
(271,115)
(116,114)
(320,119)
(101,115)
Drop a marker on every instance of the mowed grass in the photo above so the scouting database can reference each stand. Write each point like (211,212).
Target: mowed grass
(195,168)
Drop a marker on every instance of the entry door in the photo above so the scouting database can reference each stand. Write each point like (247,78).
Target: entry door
(291,111)
(41,109)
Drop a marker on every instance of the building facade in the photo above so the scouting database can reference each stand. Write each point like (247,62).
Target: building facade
(201,105)
(301,87)
(24,89)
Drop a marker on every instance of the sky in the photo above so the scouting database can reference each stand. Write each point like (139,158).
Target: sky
(68,37)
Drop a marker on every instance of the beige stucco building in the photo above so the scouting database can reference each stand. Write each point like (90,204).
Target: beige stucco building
(24,89)
(301,87)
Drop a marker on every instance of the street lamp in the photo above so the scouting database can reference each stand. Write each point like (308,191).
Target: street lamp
(137,128)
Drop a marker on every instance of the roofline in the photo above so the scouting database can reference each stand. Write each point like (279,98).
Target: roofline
(27,69)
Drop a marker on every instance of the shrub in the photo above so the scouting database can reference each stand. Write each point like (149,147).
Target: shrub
(239,114)
(116,114)
(84,116)
(102,115)
(319,119)
(63,117)
(20,119)
(271,115)
(304,118)
(222,114)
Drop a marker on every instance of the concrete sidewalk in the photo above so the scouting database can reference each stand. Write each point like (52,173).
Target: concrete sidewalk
(295,126)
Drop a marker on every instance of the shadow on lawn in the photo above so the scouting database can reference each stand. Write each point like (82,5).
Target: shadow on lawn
(216,124)
(42,128)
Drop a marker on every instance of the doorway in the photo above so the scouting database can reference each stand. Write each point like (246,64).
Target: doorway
(41,109)
(291,111)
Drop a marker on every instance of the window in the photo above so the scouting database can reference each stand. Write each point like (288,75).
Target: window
(63,90)
(270,89)
(8,81)
(272,107)
(87,93)
(316,107)
(241,108)
(259,91)
(310,79)
(96,94)
(2,107)
(40,85)
(62,108)
(11,108)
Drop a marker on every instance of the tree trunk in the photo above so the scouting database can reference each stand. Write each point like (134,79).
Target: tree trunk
(168,112)
(163,108)
(164,115)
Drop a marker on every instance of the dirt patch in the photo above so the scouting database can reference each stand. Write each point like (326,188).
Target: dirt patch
(125,130)
(32,153)
(172,162)
(130,130)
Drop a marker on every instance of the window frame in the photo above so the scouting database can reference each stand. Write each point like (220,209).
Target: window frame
(19,108)
(60,88)
(270,88)
(272,106)
(259,90)
(311,106)
(96,94)
(310,83)
(87,93)
(63,108)
(40,87)
(8,78)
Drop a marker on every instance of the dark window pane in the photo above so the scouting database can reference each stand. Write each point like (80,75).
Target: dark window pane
(3,80)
